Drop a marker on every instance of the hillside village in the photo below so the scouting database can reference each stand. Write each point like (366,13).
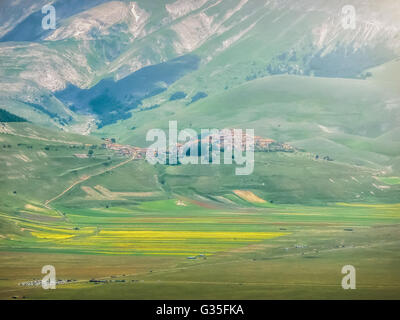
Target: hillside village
(260,145)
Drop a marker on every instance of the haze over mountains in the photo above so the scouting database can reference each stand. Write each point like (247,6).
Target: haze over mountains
(236,41)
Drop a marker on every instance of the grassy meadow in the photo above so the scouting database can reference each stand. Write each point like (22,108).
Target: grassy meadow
(116,228)
(198,252)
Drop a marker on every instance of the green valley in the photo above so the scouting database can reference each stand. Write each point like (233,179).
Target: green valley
(77,189)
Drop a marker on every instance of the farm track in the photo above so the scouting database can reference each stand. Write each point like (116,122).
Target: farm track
(83,179)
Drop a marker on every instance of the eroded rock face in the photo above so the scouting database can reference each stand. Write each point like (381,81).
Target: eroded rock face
(182,7)
(53,69)
(45,66)
(373,27)
(371,42)
(193,31)
(97,21)
(196,28)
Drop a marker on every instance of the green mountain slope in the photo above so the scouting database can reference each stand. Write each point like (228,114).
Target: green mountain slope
(237,40)
(346,119)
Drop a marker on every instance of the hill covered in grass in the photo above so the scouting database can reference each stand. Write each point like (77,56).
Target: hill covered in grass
(347,120)
(235,40)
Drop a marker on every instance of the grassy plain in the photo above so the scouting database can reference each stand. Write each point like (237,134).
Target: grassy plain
(254,253)
(148,237)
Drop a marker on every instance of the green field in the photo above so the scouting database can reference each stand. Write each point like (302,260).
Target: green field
(156,232)
(77,103)
(258,253)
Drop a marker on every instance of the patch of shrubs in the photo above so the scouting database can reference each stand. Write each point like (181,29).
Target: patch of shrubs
(178,96)
(199,95)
